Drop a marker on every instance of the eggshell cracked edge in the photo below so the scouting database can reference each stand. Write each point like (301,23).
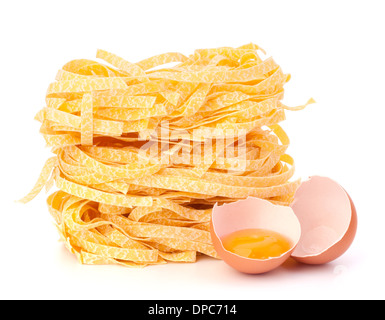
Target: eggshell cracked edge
(253,213)
(340,199)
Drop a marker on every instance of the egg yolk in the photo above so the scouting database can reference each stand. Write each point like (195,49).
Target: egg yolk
(256,243)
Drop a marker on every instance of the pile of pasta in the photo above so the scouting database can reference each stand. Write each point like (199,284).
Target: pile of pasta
(117,202)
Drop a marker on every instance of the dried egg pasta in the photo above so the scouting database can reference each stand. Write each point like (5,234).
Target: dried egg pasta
(143,151)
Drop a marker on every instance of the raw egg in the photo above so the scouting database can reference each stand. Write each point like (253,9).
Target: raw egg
(256,243)
(256,236)
(253,235)
(328,220)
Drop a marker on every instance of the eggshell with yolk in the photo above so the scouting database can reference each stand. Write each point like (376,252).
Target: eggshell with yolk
(328,220)
(253,213)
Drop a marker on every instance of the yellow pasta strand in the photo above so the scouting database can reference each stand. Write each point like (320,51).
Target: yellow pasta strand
(142,151)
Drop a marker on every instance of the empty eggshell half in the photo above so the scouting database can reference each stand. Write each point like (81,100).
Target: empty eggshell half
(328,220)
(253,213)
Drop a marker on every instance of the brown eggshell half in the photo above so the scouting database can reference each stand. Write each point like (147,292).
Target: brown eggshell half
(328,220)
(253,213)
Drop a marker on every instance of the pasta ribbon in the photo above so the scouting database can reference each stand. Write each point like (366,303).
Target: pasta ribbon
(143,151)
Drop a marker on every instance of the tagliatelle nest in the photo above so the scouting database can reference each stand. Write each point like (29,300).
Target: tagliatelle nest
(143,153)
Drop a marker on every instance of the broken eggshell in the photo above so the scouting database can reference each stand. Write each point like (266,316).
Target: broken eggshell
(328,220)
(253,213)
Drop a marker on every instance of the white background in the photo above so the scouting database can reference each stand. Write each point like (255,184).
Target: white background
(335,53)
